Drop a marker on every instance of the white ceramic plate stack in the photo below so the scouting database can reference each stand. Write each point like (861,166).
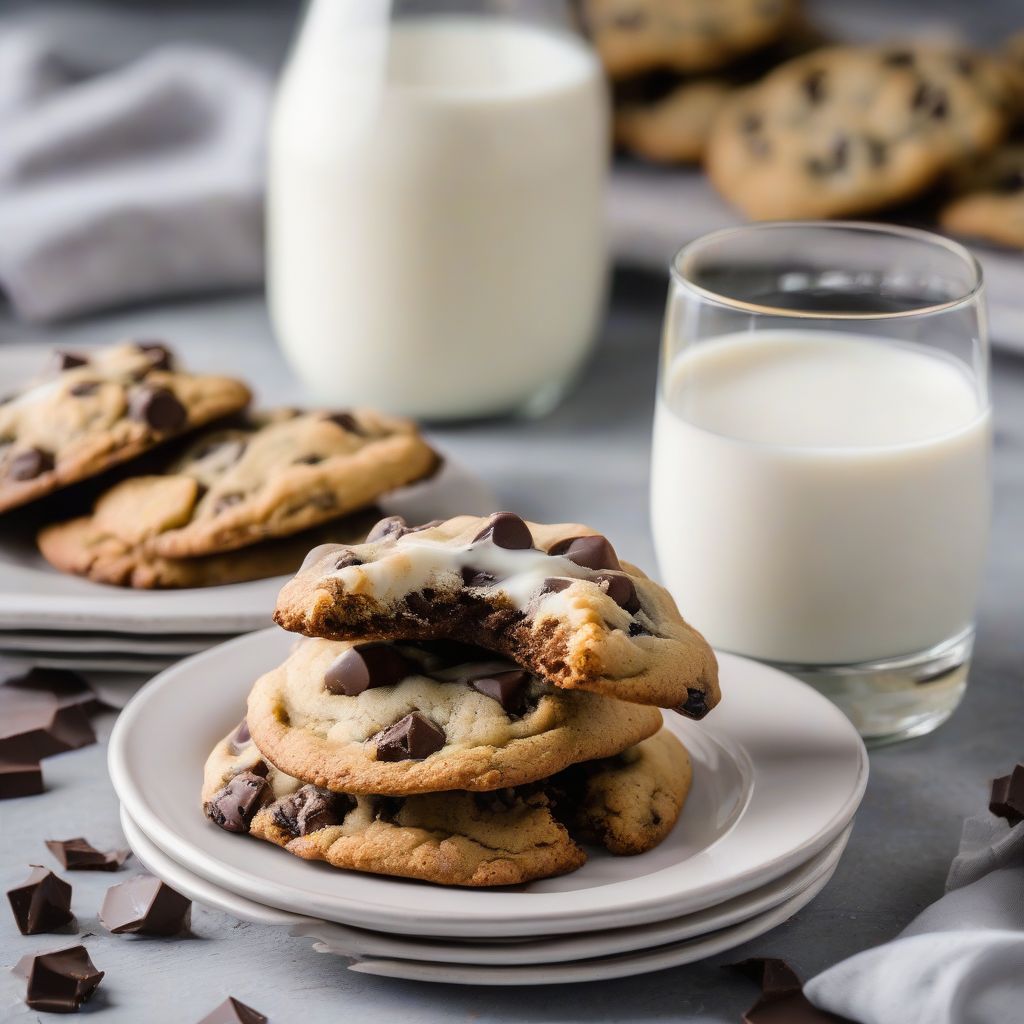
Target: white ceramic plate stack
(54,620)
(778,776)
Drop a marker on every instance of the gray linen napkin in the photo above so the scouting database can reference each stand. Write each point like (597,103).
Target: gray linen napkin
(134,182)
(961,961)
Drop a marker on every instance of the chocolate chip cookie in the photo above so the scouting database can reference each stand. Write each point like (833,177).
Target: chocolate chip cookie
(990,200)
(279,473)
(848,130)
(632,36)
(556,600)
(96,409)
(505,837)
(398,719)
(109,546)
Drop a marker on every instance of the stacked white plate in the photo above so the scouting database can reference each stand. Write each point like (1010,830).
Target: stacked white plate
(778,776)
(53,620)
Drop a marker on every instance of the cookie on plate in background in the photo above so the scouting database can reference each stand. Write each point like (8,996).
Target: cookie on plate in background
(100,408)
(633,36)
(853,129)
(989,200)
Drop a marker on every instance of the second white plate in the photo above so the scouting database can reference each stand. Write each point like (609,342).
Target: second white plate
(778,775)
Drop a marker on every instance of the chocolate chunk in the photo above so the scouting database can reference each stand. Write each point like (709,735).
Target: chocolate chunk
(80,855)
(226,501)
(836,160)
(231,1011)
(965,64)
(309,460)
(387,808)
(594,552)
(310,809)
(39,685)
(555,585)
(346,421)
(35,724)
(84,388)
(67,361)
(29,464)
(931,100)
(411,738)
(781,1001)
(394,527)
(1013,181)
(477,577)
(365,667)
(241,737)
(20,778)
(60,982)
(621,590)
(145,906)
(42,903)
(160,357)
(233,807)
(1007,800)
(898,58)
(507,688)
(813,85)
(635,629)
(158,408)
(506,530)
(695,705)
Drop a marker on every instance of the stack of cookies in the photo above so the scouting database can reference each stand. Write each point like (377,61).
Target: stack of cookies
(243,496)
(471,701)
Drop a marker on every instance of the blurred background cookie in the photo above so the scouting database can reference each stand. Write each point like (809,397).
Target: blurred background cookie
(990,200)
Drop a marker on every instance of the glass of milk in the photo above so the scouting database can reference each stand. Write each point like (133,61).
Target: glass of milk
(821,467)
(435,218)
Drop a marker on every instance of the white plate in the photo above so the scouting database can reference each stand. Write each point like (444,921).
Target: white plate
(778,775)
(34,595)
(133,663)
(358,942)
(56,642)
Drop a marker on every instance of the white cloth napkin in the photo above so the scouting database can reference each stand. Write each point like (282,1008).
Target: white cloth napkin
(961,961)
(128,183)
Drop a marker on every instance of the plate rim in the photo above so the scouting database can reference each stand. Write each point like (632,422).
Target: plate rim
(371,913)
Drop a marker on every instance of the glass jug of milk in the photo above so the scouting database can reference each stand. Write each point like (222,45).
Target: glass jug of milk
(436,240)
(821,482)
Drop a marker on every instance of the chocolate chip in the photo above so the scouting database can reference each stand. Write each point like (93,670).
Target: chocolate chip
(144,905)
(42,903)
(1012,181)
(813,85)
(226,501)
(231,1011)
(310,809)
(965,65)
(387,808)
(507,688)
(160,357)
(695,705)
(80,855)
(506,530)
(241,737)
(346,421)
(898,58)
(158,408)
(29,464)
(67,361)
(20,778)
(309,460)
(365,667)
(621,590)
(1007,800)
(234,806)
(555,585)
(84,388)
(931,100)
(835,161)
(411,738)
(61,982)
(477,577)
(592,552)
(635,629)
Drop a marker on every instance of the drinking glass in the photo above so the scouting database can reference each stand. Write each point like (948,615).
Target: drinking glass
(821,468)
(435,212)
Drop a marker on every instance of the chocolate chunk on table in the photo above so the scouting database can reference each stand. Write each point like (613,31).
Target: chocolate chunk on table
(782,1000)
(231,1011)
(60,982)
(144,905)
(42,903)
(80,855)
(37,722)
(1007,800)
(20,778)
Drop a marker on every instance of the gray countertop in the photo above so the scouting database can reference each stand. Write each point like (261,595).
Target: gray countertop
(588,461)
